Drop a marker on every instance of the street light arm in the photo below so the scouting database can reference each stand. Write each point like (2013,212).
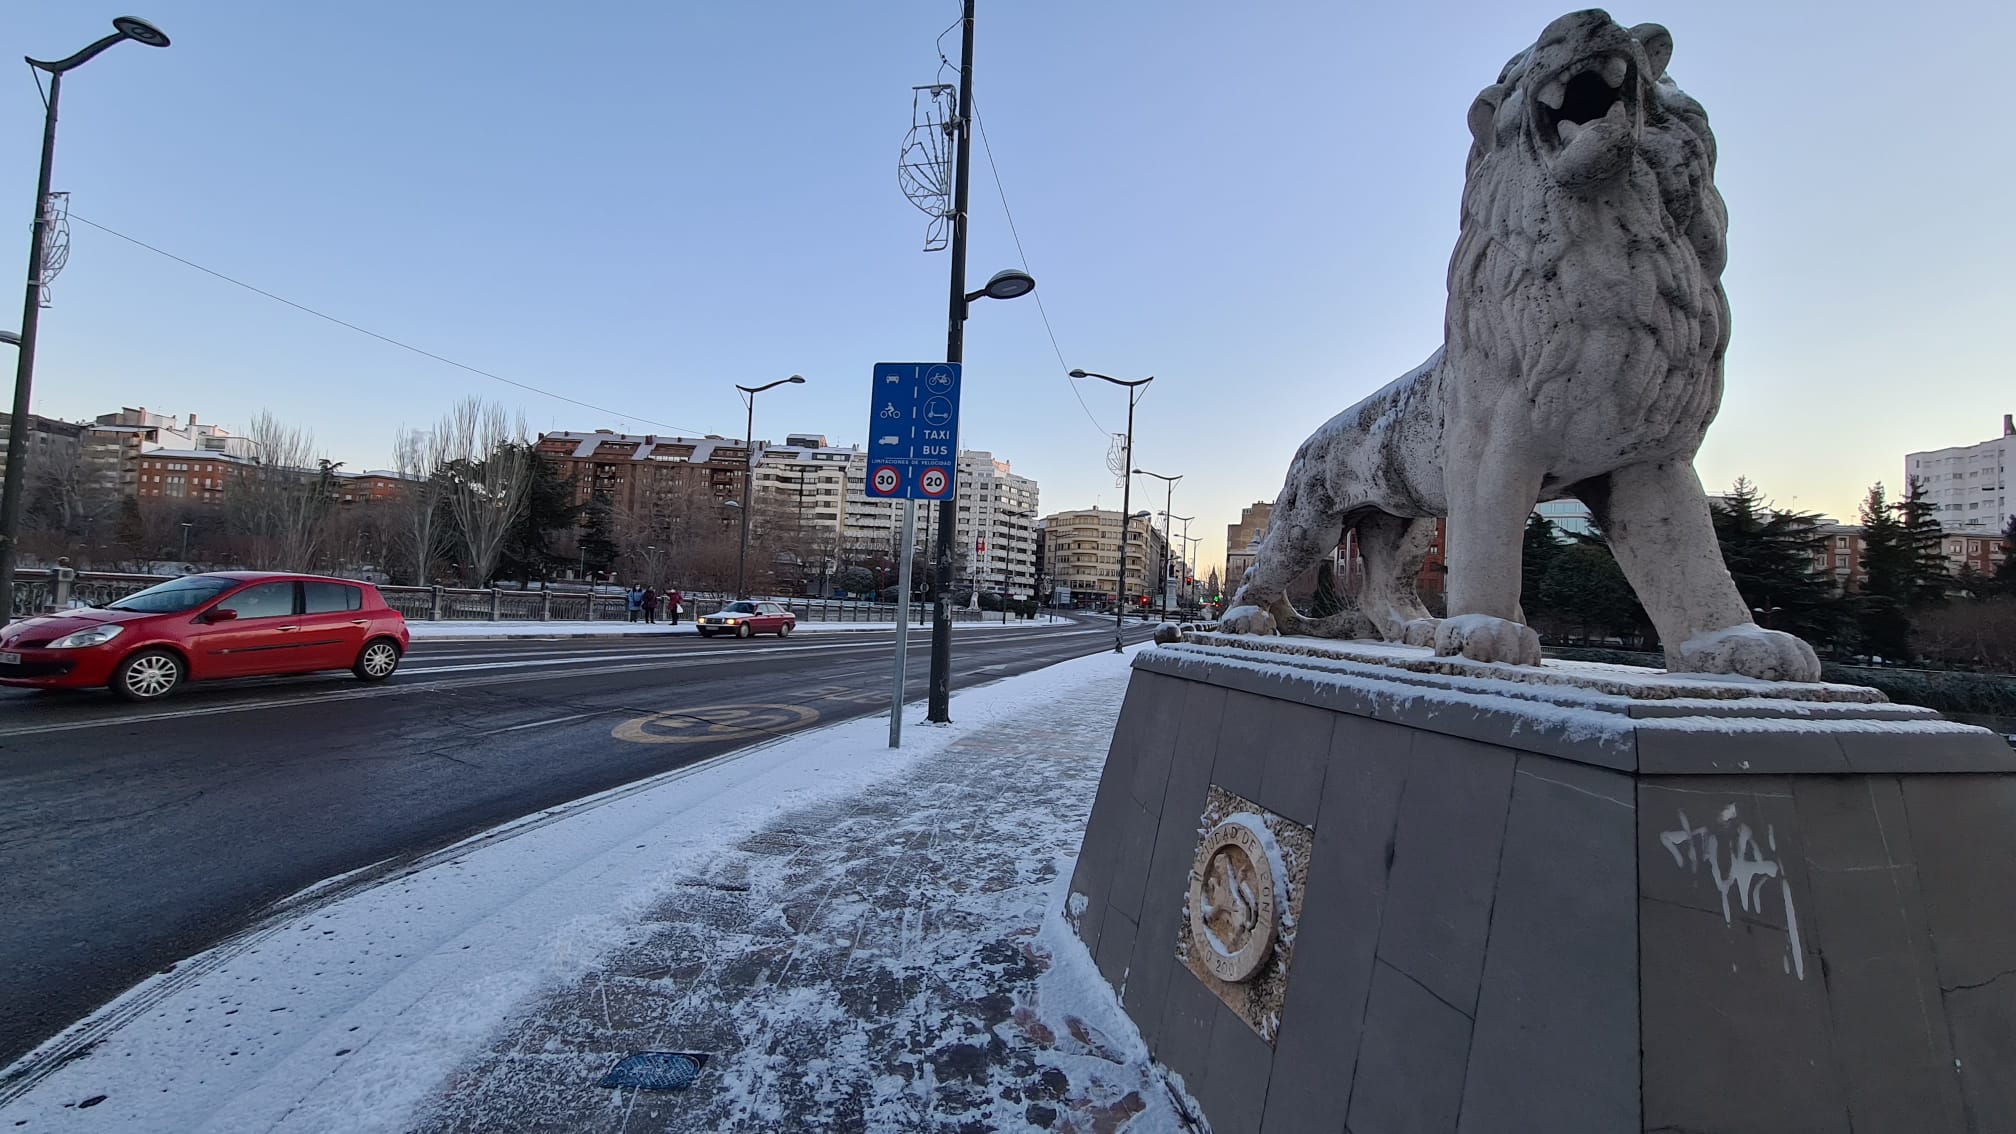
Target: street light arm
(139,31)
(77,60)
(754,390)
(1110,378)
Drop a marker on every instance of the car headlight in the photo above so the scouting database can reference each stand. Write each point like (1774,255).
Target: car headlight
(96,636)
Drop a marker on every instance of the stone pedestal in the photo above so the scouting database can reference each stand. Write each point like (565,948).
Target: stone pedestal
(1577,899)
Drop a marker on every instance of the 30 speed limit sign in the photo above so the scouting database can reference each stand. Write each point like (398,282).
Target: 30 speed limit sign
(934,482)
(885,480)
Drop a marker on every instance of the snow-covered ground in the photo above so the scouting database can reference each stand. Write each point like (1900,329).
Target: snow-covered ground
(531,629)
(856,936)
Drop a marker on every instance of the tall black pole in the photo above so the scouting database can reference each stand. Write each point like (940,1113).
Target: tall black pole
(748,480)
(955,351)
(1126,507)
(1168,534)
(20,431)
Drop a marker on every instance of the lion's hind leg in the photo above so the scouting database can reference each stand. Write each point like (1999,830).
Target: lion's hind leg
(1301,532)
(1394,547)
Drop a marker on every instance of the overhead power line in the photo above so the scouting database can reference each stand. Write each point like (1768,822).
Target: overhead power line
(1063,367)
(623,415)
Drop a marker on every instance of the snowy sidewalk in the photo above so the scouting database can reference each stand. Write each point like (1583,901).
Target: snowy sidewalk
(877,962)
(857,939)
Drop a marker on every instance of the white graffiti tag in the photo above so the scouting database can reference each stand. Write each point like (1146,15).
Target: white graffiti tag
(1743,869)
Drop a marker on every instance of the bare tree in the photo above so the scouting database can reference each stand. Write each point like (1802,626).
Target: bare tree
(486,470)
(279,501)
(417,455)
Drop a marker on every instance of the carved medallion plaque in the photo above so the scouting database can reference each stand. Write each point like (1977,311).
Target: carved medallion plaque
(1233,898)
(1237,934)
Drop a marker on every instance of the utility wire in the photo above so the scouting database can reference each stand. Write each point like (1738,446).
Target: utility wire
(304,308)
(1062,366)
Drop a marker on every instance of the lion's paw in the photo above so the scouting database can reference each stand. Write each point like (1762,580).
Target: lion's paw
(1747,651)
(1419,631)
(1246,620)
(1481,637)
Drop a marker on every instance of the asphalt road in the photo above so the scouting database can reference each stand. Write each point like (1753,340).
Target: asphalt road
(132,837)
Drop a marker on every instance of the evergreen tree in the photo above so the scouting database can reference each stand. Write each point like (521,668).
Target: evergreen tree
(1541,547)
(549,508)
(1918,522)
(1776,559)
(1327,601)
(597,538)
(1584,588)
(2005,572)
(1887,563)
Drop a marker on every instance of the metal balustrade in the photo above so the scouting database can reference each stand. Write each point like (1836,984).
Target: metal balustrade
(36,591)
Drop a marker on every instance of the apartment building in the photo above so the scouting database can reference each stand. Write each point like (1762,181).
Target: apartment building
(1242,540)
(1081,551)
(48,439)
(997,517)
(1970,483)
(803,484)
(637,473)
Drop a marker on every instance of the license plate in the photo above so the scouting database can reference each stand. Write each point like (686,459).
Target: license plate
(10,658)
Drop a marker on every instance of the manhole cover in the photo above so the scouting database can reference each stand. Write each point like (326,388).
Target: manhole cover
(656,1071)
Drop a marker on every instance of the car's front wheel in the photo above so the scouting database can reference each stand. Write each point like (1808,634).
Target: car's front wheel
(744,630)
(379,659)
(147,676)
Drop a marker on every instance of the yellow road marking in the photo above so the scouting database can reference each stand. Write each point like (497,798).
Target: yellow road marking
(712,723)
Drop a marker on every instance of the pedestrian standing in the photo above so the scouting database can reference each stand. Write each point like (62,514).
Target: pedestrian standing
(634,601)
(675,605)
(650,605)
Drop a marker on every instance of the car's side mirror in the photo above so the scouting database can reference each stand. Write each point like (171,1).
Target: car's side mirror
(221,614)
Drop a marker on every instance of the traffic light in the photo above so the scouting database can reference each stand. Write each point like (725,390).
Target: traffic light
(1144,600)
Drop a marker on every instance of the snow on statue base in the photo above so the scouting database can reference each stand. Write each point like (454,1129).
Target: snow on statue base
(1567,897)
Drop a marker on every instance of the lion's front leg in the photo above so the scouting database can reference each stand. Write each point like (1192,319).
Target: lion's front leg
(1656,517)
(1487,520)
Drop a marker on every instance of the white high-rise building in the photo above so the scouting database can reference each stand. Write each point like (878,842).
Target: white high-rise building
(1969,483)
(996,524)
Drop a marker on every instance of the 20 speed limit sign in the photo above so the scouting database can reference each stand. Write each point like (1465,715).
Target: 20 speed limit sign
(934,482)
(885,480)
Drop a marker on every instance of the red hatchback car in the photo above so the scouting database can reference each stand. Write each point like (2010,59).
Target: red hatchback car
(200,627)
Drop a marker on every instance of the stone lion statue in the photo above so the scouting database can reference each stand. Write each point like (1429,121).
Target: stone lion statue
(1585,331)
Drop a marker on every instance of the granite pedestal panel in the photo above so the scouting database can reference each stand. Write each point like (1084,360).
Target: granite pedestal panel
(1580,899)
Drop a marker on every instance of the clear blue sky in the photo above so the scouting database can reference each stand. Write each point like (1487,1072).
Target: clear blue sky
(640,205)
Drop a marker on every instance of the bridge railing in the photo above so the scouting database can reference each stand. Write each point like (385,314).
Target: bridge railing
(39,590)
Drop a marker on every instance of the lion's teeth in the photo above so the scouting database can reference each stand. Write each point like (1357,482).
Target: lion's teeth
(1569,130)
(1554,94)
(1615,70)
(1618,112)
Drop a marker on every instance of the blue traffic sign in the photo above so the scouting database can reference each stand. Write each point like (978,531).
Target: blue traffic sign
(913,430)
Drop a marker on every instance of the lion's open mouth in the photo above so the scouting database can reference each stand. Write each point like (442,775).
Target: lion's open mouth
(1602,88)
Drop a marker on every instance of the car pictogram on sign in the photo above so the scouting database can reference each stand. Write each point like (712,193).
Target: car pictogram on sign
(884,480)
(934,482)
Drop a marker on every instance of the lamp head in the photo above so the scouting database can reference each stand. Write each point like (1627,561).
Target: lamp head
(1009,283)
(797,378)
(140,31)
(1079,374)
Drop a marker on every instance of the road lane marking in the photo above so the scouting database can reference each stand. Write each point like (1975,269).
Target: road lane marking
(400,688)
(712,723)
(539,724)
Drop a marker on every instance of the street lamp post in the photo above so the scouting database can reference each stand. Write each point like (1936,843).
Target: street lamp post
(125,27)
(749,477)
(1168,498)
(186,525)
(1134,390)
